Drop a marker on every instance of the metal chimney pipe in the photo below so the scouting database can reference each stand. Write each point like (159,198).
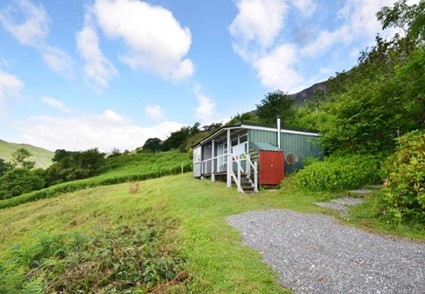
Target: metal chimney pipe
(278,131)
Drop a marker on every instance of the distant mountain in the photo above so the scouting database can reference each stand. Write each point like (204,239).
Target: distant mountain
(42,157)
(307,95)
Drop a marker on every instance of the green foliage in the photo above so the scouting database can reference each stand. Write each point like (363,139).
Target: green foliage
(20,158)
(18,181)
(243,117)
(152,145)
(71,165)
(121,169)
(123,259)
(339,173)
(4,167)
(405,199)
(366,108)
(275,104)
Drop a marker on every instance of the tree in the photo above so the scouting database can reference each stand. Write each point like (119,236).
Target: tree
(20,157)
(243,117)
(177,139)
(115,152)
(275,104)
(4,167)
(152,145)
(18,181)
(71,165)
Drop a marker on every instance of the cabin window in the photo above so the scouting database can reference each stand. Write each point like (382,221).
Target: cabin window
(197,154)
(243,138)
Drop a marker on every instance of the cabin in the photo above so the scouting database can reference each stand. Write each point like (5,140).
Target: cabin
(252,155)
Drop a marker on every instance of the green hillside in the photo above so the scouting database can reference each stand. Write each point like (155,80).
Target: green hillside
(42,157)
(170,237)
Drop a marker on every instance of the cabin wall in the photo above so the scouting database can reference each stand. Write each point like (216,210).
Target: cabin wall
(302,145)
(207,154)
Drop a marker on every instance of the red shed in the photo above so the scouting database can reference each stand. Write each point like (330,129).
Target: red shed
(271,167)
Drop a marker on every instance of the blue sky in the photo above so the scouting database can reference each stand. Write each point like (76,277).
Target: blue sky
(80,74)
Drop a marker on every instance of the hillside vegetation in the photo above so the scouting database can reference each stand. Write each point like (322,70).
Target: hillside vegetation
(119,169)
(42,157)
(176,225)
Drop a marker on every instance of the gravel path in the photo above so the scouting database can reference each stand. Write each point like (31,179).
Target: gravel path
(314,254)
(341,205)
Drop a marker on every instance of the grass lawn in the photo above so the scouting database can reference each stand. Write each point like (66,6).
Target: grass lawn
(189,215)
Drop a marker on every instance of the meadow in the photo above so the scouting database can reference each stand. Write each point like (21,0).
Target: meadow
(188,237)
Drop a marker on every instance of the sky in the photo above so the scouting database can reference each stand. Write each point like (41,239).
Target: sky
(80,74)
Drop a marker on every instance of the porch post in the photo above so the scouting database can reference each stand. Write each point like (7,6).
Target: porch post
(229,160)
(213,161)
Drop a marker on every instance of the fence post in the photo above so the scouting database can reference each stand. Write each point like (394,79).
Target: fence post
(182,168)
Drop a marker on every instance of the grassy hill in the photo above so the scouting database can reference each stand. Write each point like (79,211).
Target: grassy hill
(172,236)
(42,157)
(174,226)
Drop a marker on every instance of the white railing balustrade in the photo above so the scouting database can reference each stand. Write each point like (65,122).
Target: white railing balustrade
(218,164)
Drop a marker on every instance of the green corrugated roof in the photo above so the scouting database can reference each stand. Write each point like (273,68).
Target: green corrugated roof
(264,146)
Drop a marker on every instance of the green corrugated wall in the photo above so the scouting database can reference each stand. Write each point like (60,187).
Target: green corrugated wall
(302,145)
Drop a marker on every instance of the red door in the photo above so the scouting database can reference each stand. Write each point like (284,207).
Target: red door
(271,167)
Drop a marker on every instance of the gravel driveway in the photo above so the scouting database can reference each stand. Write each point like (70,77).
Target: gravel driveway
(313,253)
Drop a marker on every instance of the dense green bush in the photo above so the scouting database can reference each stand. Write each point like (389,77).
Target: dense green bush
(18,181)
(406,179)
(339,173)
(73,165)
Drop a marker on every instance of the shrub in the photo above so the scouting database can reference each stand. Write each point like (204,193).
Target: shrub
(339,173)
(406,179)
(89,183)
(18,181)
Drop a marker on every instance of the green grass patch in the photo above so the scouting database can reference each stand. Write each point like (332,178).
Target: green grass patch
(205,247)
(128,168)
(188,217)
(369,215)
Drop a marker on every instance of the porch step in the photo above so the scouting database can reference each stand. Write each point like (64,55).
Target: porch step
(246,184)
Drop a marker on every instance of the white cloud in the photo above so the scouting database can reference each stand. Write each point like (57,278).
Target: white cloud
(105,131)
(258,21)
(206,107)
(277,69)
(28,24)
(58,61)
(10,86)
(359,22)
(155,40)
(307,7)
(55,103)
(260,37)
(183,70)
(98,69)
(327,39)
(33,30)
(154,112)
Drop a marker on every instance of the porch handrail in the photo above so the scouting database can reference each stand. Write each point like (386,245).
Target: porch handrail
(240,170)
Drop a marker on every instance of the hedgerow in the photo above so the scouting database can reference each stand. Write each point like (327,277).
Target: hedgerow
(339,173)
(405,199)
(90,183)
